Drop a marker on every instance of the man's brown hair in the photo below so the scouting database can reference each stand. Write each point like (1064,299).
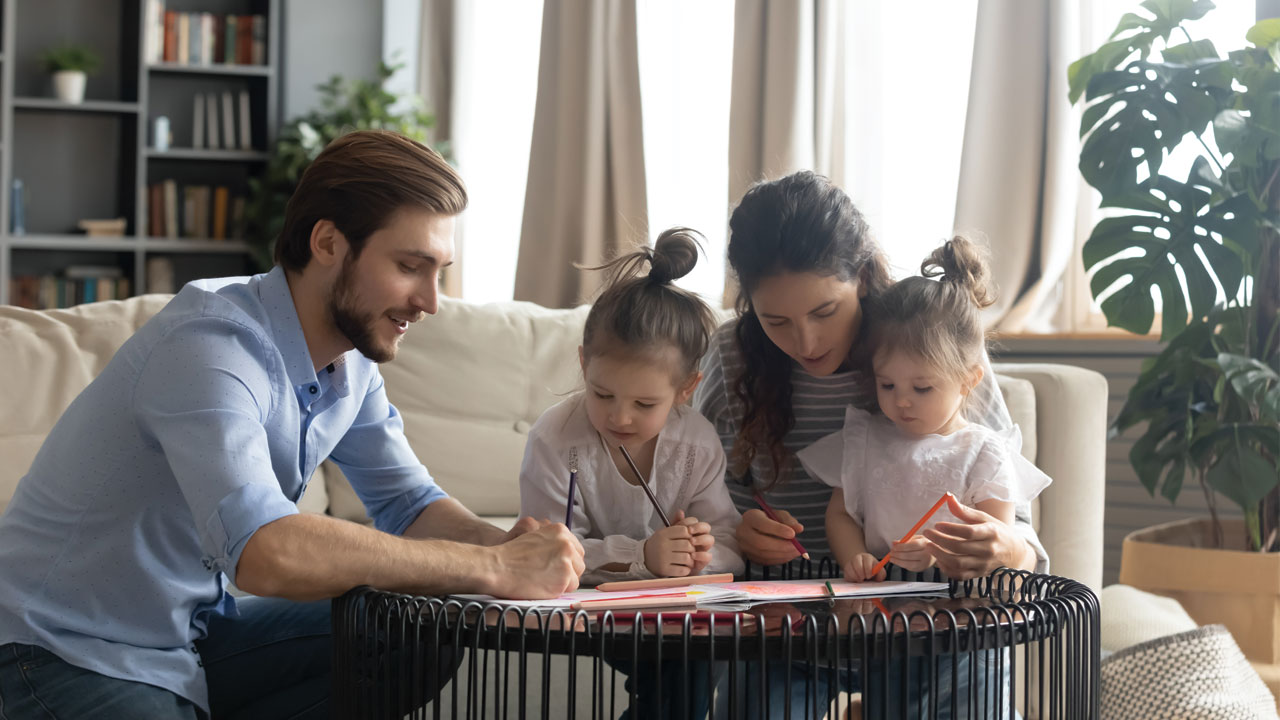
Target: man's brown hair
(359,182)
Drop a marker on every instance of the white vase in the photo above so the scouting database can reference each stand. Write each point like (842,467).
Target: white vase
(68,85)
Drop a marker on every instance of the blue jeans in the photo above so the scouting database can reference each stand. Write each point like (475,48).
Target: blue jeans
(270,662)
(812,690)
(676,703)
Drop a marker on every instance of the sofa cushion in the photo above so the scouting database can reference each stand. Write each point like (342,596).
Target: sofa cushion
(470,382)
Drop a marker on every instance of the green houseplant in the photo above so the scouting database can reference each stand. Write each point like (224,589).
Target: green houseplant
(344,106)
(1211,399)
(70,65)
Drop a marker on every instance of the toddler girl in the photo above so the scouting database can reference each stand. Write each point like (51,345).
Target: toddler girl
(927,354)
(640,349)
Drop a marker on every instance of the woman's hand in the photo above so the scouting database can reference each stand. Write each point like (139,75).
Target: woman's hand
(766,542)
(977,545)
(914,555)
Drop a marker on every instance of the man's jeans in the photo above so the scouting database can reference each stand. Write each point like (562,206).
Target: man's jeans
(271,662)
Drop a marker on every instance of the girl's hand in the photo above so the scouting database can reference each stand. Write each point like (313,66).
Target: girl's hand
(977,545)
(669,551)
(702,539)
(766,542)
(913,555)
(858,568)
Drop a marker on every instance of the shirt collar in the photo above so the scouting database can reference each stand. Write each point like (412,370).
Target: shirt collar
(286,328)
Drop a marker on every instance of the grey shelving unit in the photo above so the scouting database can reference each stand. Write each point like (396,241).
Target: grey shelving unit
(97,159)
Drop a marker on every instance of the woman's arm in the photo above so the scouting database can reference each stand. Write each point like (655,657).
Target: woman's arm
(978,544)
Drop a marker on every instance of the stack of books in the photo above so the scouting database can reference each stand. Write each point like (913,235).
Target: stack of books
(74,285)
(204,38)
(205,212)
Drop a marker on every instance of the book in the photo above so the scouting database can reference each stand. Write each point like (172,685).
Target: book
(155,31)
(188,211)
(229,41)
(220,197)
(170,209)
(197,122)
(246,122)
(155,210)
(194,42)
(211,119)
(170,50)
(159,271)
(228,121)
(258,53)
(237,216)
(244,40)
(206,38)
(184,38)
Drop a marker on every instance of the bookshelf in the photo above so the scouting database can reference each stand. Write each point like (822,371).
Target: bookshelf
(99,160)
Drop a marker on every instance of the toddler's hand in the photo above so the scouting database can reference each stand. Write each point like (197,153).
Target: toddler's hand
(703,540)
(913,555)
(858,568)
(669,551)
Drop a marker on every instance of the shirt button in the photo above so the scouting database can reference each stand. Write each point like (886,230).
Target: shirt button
(313,389)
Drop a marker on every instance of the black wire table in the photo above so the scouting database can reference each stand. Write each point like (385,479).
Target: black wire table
(1008,645)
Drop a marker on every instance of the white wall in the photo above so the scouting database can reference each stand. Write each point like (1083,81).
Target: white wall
(323,38)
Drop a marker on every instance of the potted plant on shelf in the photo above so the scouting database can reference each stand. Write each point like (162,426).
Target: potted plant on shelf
(1207,245)
(344,106)
(70,65)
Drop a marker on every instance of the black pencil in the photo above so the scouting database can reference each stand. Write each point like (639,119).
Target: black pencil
(645,485)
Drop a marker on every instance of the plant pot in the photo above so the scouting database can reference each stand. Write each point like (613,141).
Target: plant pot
(68,86)
(1231,586)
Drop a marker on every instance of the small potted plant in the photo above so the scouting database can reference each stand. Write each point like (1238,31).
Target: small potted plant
(70,65)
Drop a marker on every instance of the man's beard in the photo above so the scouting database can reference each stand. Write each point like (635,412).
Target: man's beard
(357,326)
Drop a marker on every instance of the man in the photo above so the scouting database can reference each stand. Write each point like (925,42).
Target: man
(179,467)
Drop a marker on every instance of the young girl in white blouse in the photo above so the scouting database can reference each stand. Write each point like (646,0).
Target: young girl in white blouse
(640,349)
(927,353)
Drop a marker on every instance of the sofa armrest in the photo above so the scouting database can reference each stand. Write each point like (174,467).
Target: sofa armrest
(1071,436)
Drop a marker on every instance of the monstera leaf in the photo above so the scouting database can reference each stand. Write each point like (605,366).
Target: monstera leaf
(1172,221)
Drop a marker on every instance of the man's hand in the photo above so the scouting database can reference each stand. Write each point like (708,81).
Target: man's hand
(858,568)
(766,542)
(523,525)
(915,554)
(538,564)
(976,545)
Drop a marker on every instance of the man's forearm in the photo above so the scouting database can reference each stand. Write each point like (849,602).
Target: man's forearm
(310,557)
(448,519)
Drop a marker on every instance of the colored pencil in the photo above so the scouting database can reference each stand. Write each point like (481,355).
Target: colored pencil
(774,517)
(621,585)
(647,490)
(573,486)
(830,590)
(885,560)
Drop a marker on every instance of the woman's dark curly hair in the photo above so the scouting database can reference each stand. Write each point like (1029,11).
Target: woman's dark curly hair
(800,223)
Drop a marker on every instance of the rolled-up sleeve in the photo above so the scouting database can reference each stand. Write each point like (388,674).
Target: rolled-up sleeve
(204,398)
(381,467)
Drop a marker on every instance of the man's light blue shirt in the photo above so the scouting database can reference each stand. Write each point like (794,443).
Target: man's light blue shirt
(205,426)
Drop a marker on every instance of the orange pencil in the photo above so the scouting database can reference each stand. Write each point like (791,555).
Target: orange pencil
(769,511)
(941,501)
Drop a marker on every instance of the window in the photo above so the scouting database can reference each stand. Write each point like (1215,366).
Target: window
(1225,27)
(686,54)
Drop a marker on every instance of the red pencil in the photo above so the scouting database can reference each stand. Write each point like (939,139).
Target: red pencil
(884,561)
(772,516)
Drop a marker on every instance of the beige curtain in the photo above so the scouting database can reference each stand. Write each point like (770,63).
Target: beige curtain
(585,198)
(787,105)
(1018,179)
(437,84)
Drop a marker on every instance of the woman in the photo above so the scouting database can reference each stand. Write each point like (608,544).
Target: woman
(778,378)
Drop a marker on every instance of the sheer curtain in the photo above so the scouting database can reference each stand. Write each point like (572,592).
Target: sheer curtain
(484,103)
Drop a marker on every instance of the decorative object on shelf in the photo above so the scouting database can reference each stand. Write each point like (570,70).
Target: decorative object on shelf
(1208,246)
(17,208)
(160,139)
(344,106)
(70,64)
(113,227)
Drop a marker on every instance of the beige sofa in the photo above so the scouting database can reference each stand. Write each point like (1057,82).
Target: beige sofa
(471,380)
